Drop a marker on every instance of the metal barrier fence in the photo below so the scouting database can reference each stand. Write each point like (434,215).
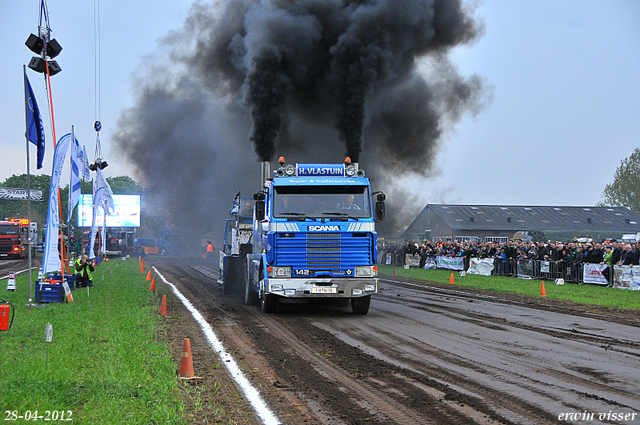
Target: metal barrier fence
(524,268)
(550,270)
(538,269)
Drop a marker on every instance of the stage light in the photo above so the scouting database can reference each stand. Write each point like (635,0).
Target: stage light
(35,44)
(53,48)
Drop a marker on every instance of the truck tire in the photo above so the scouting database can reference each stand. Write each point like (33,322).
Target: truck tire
(361,305)
(250,296)
(269,303)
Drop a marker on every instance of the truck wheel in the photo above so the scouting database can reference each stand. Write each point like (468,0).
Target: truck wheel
(361,305)
(269,303)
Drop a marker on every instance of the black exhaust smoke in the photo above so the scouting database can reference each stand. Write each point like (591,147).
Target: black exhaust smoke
(303,75)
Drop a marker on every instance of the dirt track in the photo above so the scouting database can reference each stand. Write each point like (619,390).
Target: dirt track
(425,354)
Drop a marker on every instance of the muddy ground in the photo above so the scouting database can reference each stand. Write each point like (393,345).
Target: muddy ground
(423,354)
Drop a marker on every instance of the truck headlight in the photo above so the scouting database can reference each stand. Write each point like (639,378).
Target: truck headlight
(369,288)
(365,271)
(279,271)
(356,291)
(276,287)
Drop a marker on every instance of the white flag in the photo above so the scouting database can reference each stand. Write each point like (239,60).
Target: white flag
(102,199)
(94,224)
(50,259)
(76,165)
(86,172)
(235,208)
(103,196)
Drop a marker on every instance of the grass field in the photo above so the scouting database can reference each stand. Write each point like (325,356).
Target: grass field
(586,294)
(105,364)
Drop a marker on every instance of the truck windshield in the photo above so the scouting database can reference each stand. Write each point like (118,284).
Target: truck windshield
(322,201)
(8,229)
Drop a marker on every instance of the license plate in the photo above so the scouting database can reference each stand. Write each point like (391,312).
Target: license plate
(323,290)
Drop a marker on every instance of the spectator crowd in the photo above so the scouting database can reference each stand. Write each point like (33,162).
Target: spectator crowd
(570,253)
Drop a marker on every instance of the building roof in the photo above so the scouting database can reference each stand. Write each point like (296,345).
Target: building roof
(514,218)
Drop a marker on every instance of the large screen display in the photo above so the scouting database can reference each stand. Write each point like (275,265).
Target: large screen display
(126,211)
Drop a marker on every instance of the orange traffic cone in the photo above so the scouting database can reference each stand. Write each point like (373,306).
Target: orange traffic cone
(149,276)
(152,288)
(394,271)
(163,306)
(186,363)
(141,268)
(543,293)
(451,279)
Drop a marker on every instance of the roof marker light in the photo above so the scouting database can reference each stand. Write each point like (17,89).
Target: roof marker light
(281,161)
(289,170)
(347,160)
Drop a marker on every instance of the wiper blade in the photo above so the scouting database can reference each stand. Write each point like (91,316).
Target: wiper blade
(295,216)
(341,214)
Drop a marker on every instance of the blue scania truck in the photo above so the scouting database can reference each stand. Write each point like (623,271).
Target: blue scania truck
(313,237)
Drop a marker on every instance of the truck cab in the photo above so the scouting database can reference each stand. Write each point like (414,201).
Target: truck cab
(314,237)
(14,238)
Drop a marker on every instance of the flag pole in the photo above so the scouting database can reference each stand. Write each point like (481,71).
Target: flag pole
(69,209)
(53,128)
(26,135)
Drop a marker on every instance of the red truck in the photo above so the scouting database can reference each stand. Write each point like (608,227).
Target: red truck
(14,238)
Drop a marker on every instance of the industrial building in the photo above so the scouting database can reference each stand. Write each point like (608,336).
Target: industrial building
(500,223)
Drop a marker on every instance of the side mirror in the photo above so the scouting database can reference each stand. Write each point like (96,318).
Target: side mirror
(260,207)
(259,210)
(379,210)
(379,213)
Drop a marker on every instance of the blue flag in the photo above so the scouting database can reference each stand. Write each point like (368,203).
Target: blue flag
(76,166)
(34,121)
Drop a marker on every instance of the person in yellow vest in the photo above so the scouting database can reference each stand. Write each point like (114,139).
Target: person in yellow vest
(85,268)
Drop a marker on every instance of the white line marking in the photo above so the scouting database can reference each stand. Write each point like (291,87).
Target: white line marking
(15,273)
(252,394)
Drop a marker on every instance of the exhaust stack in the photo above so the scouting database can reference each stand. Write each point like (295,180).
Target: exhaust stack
(265,172)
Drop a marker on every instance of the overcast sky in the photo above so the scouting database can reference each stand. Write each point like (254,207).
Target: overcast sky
(564,77)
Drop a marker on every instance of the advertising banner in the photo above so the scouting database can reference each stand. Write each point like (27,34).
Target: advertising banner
(626,277)
(20,194)
(481,266)
(412,260)
(525,269)
(430,263)
(450,263)
(593,274)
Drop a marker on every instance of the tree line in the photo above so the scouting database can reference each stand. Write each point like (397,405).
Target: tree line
(19,208)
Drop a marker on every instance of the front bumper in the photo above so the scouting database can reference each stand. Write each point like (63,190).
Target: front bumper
(320,287)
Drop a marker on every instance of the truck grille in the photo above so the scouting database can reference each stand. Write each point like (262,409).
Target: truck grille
(6,246)
(323,253)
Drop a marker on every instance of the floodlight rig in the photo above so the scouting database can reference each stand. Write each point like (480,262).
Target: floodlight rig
(43,45)
(99,163)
